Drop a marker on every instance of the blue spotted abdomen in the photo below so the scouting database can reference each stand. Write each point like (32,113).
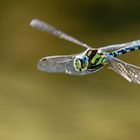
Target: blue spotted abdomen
(124,50)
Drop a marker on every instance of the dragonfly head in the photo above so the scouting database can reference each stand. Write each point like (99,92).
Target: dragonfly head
(81,62)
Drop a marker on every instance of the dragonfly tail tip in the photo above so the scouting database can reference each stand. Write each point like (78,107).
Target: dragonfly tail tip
(33,22)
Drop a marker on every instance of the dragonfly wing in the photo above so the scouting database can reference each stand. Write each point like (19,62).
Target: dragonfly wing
(119,46)
(126,70)
(61,64)
(52,30)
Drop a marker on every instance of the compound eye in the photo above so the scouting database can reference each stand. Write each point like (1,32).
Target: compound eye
(77,64)
(81,63)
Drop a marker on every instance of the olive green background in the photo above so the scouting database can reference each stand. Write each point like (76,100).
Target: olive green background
(41,106)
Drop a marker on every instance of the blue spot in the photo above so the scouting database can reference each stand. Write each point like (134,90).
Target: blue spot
(84,60)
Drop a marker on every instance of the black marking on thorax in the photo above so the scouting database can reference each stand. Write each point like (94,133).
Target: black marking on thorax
(91,53)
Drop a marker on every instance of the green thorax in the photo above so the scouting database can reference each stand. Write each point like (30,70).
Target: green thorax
(95,58)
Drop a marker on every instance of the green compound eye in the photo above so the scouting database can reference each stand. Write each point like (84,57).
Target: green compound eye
(77,64)
(81,63)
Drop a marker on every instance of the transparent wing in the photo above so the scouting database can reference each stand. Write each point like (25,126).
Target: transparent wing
(128,71)
(119,46)
(61,64)
(48,28)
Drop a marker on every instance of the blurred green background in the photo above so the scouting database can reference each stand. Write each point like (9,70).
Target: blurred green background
(41,106)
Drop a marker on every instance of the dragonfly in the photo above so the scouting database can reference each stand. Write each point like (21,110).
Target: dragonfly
(91,60)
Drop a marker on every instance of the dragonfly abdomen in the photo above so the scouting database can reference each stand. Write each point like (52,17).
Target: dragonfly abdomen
(123,51)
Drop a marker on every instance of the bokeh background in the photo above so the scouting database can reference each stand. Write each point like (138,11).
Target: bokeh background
(41,106)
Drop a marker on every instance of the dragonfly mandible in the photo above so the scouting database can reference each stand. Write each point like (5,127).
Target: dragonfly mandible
(90,60)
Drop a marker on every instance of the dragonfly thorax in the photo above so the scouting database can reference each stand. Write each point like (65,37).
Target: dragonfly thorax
(81,62)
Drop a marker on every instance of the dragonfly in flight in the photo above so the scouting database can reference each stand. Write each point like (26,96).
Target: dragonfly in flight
(90,60)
